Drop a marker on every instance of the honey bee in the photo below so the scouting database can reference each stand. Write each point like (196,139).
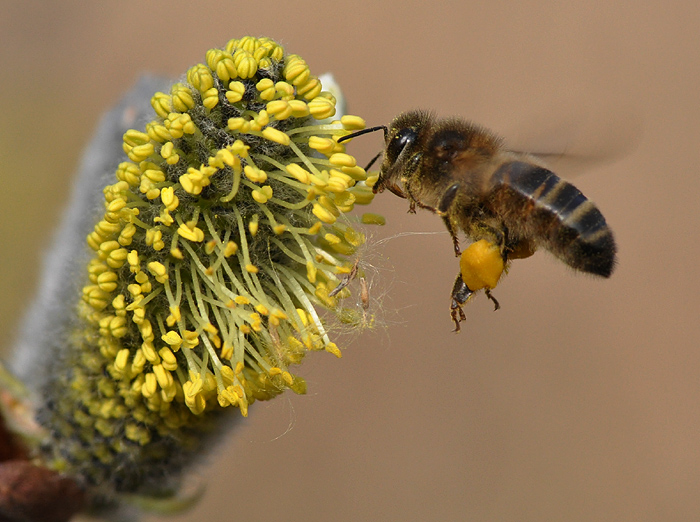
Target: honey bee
(506,202)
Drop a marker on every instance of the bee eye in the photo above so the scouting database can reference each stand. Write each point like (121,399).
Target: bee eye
(399,142)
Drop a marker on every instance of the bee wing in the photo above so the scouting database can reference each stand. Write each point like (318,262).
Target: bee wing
(579,142)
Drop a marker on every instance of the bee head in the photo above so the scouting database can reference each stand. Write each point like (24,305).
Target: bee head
(402,140)
(402,148)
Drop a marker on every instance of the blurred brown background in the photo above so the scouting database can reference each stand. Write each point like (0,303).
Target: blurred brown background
(579,400)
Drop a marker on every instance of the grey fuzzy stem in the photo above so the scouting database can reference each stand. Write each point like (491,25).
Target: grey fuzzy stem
(52,312)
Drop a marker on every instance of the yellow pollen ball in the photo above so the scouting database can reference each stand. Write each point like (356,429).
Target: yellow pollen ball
(481,265)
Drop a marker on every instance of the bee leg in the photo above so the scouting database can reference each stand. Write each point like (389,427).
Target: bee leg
(496,304)
(460,294)
(453,234)
(442,210)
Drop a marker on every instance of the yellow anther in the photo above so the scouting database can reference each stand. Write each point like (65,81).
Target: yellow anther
(288,378)
(140,152)
(332,348)
(246,64)
(150,385)
(285,90)
(221,62)
(117,258)
(329,205)
(321,108)
(169,361)
(193,386)
(358,174)
(107,281)
(276,135)
(341,159)
(279,314)
(210,246)
(191,233)
(252,268)
(154,238)
(174,316)
(200,77)
(299,173)
(159,271)
(133,138)
(248,43)
(263,194)
(181,97)
(129,173)
(311,272)
(299,108)
(253,226)
(230,249)
(118,303)
(126,235)
(149,352)
(352,122)
(162,104)
(169,199)
(164,377)
(315,228)
(172,338)
(210,98)
(164,218)
(372,219)
(118,327)
(122,359)
(296,71)
(241,300)
(255,174)
(266,88)
(116,205)
(363,194)
(323,145)
(231,45)
(157,132)
(280,109)
(190,339)
(264,84)
(238,124)
(139,362)
(235,92)
(262,119)
(311,89)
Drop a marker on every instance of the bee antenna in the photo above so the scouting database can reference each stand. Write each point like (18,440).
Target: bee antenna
(369,165)
(365,131)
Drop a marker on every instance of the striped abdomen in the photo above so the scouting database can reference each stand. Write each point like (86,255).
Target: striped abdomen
(535,204)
